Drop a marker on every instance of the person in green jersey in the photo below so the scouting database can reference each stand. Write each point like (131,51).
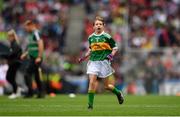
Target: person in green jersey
(35,54)
(101,50)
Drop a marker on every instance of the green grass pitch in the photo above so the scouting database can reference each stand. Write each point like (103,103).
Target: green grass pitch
(104,105)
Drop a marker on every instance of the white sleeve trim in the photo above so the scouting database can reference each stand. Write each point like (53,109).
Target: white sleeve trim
(36,33)
(115,48)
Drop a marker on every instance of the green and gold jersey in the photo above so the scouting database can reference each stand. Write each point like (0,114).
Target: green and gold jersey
(101,45)
(33,44)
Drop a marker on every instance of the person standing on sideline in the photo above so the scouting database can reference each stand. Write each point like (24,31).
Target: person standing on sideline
(102,48)
(35,55)
(14,62)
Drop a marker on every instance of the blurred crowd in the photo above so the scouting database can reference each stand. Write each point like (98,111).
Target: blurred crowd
(151,70)
(134,24)
(50,15)
(141,28)
(52,19)
(154,23)
(145,24)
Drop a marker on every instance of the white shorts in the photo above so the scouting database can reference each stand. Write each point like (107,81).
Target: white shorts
(102,69)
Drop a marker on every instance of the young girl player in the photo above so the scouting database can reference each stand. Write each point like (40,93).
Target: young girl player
(101,50)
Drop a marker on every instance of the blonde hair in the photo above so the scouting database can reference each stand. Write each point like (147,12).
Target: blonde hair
(99,19)
(28,22)
(12,32)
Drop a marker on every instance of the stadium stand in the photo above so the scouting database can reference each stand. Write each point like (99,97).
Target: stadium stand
(147,33)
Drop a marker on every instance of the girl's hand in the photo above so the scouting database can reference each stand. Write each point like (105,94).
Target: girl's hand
(80,60)
(110,57)
(38,60)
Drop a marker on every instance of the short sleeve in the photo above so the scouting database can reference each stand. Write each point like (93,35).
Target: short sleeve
(36,33)
(112,43)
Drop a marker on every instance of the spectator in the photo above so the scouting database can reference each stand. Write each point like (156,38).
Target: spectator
(14,62)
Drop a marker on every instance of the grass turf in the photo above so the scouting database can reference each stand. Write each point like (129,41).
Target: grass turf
(105,105)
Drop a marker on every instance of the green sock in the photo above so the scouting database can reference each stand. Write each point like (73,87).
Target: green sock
(91,97)
(115,91)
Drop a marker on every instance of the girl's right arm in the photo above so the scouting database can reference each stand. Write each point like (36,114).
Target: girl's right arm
(81,59)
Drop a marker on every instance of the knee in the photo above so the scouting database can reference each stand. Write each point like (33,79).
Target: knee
(109,87)
(91,84)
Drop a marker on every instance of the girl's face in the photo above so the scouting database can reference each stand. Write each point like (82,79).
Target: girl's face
(98,26)
(11,37)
